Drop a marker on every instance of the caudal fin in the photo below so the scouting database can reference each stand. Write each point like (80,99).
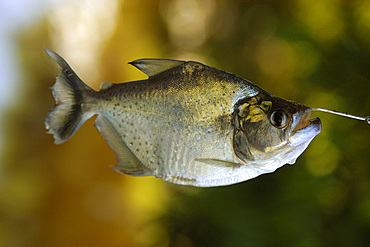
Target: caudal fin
(70,93)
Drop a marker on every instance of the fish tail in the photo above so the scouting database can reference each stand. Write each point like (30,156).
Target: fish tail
(70,110)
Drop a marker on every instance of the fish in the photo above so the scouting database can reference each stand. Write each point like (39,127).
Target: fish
(188,123)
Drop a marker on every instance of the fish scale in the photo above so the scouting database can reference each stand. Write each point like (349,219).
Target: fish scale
(163,125)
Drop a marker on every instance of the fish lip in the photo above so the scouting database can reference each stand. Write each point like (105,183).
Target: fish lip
(304,129)
(304,121)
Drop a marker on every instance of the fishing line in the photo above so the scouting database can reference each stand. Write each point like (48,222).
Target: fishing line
(367,119)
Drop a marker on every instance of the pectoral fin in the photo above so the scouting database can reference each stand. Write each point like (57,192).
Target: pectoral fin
(222,163)
(127,161)
(153,67)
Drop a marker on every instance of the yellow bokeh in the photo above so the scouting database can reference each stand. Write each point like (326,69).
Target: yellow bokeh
(323,19)
(362,13)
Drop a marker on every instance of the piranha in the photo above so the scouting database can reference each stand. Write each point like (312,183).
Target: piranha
(187,124)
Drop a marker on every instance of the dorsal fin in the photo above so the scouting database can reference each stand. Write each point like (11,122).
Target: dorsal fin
(155,66)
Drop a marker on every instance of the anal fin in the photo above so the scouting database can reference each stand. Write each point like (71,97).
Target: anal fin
(128,163)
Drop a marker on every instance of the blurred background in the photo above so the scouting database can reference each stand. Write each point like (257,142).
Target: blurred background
(313,52)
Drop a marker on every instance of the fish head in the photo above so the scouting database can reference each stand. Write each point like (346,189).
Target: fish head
(270,132)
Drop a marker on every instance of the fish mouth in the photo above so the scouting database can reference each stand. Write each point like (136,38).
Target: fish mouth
(306,122)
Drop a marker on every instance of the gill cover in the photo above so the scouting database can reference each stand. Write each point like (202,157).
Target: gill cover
(260,128)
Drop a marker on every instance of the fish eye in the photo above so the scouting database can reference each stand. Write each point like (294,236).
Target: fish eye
(279,119)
